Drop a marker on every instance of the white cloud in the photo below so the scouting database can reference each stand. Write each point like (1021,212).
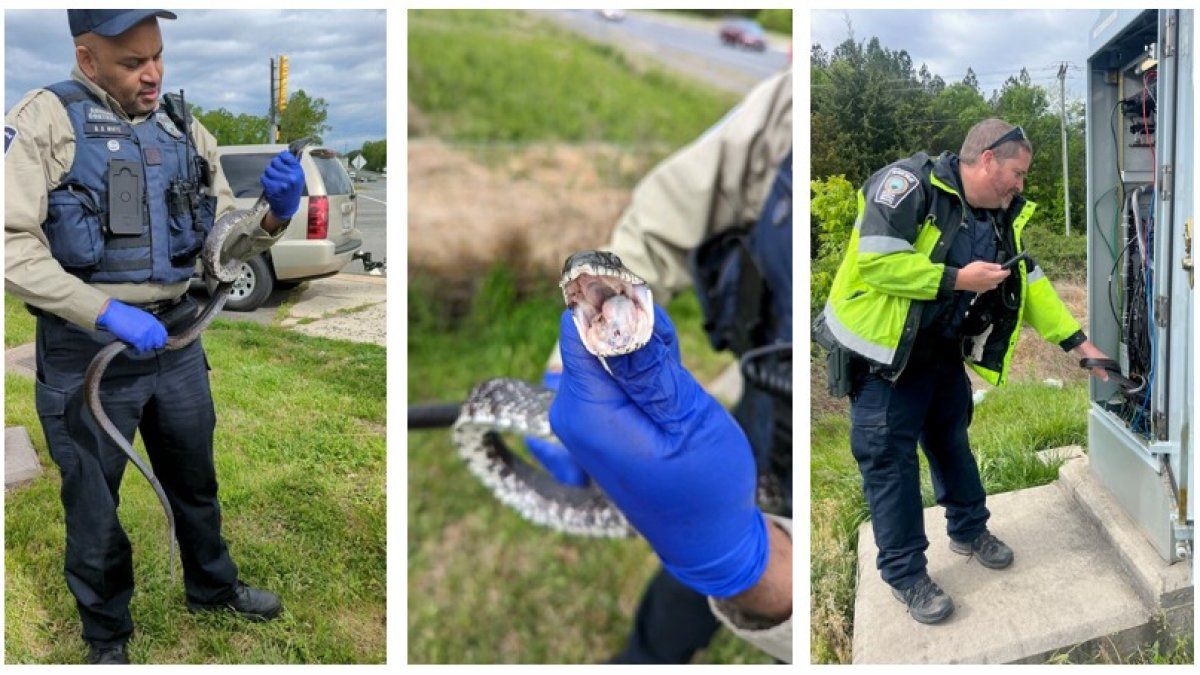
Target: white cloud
(220,58)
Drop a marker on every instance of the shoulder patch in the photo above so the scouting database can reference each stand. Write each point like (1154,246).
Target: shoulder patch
(167,124)
(10,134)
(895,186)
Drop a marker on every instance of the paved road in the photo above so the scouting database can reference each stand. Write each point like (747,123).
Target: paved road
(685,44)
(372,222)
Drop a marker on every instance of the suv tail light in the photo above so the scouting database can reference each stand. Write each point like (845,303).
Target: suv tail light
(318,217)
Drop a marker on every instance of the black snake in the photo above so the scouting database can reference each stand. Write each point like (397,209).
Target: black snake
(225,274)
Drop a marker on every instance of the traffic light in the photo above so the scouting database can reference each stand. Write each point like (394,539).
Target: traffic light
(281,103)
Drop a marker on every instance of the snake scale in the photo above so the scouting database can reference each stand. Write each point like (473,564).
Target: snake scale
(225,274)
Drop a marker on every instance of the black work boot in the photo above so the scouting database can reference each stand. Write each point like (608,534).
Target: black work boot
(108,656)
(254,604)
(926,602)
(990,551)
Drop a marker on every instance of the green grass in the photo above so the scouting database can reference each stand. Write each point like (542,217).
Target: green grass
(18,323)
(507,76)
(485,586)
(300,455)
(1009,427)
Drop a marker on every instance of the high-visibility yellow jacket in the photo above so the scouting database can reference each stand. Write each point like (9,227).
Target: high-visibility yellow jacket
(908,215)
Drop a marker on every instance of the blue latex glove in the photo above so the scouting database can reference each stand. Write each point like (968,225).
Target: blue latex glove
(130,324)
(283,181)
(553,457)
(668,455)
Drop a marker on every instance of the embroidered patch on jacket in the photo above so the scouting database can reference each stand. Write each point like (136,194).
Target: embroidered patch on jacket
(167,124)
(98,114)
(10,134)
(895,186)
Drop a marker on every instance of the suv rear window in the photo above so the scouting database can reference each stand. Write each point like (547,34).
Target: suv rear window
(337,181)
(244,171)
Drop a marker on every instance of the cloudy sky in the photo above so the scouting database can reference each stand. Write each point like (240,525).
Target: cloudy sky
(221,60)
(995,43)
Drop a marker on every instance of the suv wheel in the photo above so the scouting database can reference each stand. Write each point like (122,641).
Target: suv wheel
(252,287)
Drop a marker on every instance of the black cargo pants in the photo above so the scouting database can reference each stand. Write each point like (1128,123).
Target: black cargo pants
(166,396)
(931,403)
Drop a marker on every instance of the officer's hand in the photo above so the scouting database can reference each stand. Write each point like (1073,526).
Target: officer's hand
(137,327)
(1088,350)
(668,455)
(980,276)
(552,456)
(283,181)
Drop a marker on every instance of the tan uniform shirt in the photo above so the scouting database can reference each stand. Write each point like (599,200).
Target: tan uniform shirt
(720,180)
(36,162)
(774,640)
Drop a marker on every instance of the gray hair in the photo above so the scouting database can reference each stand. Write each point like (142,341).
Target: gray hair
(986,133)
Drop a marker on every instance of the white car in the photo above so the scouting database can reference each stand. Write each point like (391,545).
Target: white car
(322,237)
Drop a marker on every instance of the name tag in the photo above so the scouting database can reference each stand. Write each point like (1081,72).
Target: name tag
(105,129)
(153,155)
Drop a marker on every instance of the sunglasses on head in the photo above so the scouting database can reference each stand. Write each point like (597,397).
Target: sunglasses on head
(1014,134)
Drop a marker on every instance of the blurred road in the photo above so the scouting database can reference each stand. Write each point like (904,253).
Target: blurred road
(689,45)
(371,221)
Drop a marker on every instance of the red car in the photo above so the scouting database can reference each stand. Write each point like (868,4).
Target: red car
(743,33)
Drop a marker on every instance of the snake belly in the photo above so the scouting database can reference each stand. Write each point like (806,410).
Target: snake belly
(225,274)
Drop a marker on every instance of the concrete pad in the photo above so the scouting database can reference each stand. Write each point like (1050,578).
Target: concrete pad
(727,386)
(338,293)
(1064,588)
(367,325)
(1161,585)
(21,463)
(20,360)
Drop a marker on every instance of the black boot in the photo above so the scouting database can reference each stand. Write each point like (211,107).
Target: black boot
(108,656)
(254,604)
(926,602)
(987,549)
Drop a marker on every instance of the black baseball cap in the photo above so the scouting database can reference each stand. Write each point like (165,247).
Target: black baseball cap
(110,22)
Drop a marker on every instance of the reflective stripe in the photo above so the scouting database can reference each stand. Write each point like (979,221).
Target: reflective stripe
(855,343)
(882,244)
(1036,275)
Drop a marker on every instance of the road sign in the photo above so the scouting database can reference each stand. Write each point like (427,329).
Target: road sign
(358,162)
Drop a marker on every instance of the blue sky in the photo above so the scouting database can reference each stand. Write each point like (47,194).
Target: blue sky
(995,43)
(221,59)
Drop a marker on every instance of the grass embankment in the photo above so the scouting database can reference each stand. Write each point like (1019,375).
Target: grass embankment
(508,76)
(486,586)
(300,458)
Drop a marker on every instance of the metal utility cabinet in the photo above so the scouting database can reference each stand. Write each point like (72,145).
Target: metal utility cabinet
(1140,128)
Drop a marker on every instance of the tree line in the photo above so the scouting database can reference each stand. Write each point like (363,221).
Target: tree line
(872,106)
(303,116)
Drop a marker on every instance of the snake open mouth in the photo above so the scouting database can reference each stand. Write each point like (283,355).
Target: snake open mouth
(613,308)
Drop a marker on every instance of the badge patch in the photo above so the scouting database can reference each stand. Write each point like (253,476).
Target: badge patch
(10,134)
(95,114)
(895,186)
(114,145)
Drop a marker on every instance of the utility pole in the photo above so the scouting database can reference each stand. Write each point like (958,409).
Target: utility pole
(271,112)
(1062,96)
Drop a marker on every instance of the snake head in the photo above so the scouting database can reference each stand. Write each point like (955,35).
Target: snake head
(613,307)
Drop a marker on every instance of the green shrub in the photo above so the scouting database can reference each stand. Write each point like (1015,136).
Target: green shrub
(833,209)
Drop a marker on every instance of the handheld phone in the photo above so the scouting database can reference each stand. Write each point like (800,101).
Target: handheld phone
(1011,264)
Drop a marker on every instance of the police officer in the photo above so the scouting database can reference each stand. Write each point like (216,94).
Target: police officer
(109,198)
(716,215)
(923,288)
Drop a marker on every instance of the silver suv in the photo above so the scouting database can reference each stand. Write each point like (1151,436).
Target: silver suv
(322,237)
